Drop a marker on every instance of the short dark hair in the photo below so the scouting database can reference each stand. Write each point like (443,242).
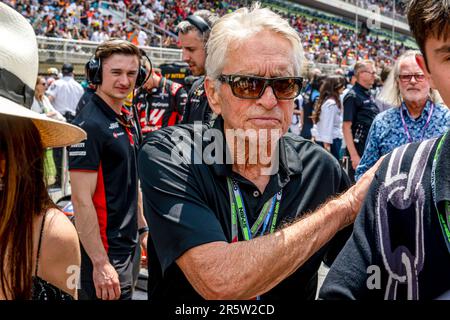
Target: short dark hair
(209,17)
(429,18)
(116,46)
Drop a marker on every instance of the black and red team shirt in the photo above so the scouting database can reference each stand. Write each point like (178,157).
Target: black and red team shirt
(162,107)
(110,150)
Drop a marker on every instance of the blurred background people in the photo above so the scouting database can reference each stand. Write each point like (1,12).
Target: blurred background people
(359,111)
(327,116)
(418,113)
(41,104)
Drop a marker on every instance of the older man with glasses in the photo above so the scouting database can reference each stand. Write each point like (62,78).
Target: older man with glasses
(419,115)
(233,206)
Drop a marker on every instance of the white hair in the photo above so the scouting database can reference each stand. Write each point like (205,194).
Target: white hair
(390,93)
(230,31)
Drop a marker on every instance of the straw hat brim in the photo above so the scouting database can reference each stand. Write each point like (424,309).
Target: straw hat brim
(53,133)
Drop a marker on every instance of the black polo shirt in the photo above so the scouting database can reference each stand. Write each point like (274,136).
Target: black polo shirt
(197,106)
(187,204)
(110,150)
(360,109)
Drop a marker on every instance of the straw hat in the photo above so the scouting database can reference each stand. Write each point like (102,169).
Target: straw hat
(18,73)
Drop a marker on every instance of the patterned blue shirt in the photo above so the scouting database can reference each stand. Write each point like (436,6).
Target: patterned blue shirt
(387,132)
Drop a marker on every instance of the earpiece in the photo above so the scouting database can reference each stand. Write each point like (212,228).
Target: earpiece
(93,69)
(199,23)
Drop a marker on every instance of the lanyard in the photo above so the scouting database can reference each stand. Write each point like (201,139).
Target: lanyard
(271,207)
(444,219)
(405,127)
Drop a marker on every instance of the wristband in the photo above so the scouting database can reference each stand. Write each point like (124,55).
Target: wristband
(143,229)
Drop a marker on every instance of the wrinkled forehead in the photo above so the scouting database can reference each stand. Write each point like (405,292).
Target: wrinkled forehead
(262,54)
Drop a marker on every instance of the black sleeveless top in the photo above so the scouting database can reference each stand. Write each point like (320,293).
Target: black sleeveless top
(41,289)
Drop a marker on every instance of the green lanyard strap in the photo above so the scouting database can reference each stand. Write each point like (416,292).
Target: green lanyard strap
(444,220)
(238,213)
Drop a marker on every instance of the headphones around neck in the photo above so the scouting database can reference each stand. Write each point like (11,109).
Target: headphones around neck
(199,23)
(93,70)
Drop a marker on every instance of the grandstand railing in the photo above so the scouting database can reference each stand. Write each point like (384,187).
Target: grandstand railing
(59,50)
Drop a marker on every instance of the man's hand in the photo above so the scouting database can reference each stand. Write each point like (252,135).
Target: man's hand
(356,159)
(355,195)
(106,281)
(143,240)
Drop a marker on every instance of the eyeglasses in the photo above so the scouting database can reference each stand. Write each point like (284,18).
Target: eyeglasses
(408,77)
(253,87)
(371,72)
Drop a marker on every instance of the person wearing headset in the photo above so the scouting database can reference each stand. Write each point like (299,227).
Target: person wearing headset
(104,177)
(193,33)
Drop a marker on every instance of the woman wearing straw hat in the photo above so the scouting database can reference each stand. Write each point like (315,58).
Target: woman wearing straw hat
(39,247)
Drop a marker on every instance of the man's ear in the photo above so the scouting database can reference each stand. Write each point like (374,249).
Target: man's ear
(213,95)
(423,65)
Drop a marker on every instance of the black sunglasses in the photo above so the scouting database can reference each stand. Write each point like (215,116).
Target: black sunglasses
(253,87)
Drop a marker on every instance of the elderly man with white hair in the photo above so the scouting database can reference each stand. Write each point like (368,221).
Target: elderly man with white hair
(233,205)
(419,115)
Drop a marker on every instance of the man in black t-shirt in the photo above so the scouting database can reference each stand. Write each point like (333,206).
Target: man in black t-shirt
(104,178)
(359,111)
(244,220)
(193,34)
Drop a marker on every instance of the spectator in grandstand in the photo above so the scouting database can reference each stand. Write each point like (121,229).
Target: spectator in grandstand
(400,246)
(331,43)
(327,116)
(197,250)
(359,111)
(160,102)
(418,115)
(193,33)
(39,244)
(104,178)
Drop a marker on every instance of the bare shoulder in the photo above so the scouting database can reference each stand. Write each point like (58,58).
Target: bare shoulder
(60,239)
(60,250)
(58,228)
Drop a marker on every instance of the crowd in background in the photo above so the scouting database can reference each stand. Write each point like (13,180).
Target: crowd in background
(324,42)
(386,6)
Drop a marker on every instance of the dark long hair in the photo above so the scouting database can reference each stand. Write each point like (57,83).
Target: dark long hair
(329,89)
(24,197)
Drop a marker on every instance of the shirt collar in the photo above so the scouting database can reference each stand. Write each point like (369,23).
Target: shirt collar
(423,115)
(359,87)
(290,162)
(102,105)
